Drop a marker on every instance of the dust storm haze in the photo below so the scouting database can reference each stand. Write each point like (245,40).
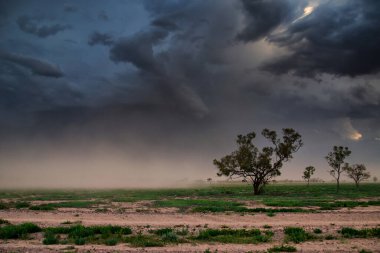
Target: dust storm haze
(148,93)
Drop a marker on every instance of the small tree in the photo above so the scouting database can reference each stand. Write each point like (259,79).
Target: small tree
(256,166)
(209,180)
(374,179)
(309,171)
(335,159)
(357,172)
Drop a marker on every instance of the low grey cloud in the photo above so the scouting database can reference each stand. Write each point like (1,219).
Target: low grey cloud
(28,24)
(97,38)
(37,66)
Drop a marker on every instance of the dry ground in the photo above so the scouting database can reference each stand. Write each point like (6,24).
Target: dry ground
(328,221)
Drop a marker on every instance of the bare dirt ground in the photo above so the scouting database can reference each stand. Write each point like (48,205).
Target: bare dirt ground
(328,221)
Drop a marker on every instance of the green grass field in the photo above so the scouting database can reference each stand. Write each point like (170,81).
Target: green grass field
(210,198)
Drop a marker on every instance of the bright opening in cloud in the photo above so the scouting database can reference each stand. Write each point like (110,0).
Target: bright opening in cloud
(356,136)
(308,10)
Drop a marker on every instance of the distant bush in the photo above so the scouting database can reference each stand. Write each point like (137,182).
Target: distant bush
(20,231)
(296,234)
(283,248)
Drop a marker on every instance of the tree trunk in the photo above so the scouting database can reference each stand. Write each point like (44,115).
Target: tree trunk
(357,184)
(337,185)
(308,181)
(256,189)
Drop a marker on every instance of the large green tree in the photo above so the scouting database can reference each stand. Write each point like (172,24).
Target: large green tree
(357,172)
(259,166)
(336,159)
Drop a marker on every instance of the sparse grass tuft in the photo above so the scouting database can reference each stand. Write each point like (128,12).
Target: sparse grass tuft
(19,205)
(50,239)
(20,231)
(348,232)
(296,234)
(234,235)
(282,248)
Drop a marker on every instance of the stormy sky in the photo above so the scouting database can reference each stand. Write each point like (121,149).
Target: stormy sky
(128,93)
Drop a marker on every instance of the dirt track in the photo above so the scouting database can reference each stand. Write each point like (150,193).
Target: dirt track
(329,222)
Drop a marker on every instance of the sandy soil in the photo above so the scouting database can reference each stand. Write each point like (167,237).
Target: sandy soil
(329,222)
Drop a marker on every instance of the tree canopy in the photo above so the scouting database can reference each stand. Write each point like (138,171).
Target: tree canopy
(259,166)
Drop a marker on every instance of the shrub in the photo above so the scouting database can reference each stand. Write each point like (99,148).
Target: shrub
(317,231)
(111,241)
(143,241)
(296,234)
(80,241)
(20,205)
(283,248)
(18,231)
(50,239)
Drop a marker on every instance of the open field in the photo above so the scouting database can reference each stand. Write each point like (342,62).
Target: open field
(223,217)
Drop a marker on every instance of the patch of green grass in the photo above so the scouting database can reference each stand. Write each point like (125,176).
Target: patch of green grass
(234,235)
(42,208)
(69,204)
(79,234)
(80,241)
(111,241)
(182,232)
(283,248)
(19,205)
(162,231)
(321,195)
(20,231)
(296,234)
(365,251)
(330,237)
(50,239)
(144,241)
(3,206)
(170,237)
(348,232)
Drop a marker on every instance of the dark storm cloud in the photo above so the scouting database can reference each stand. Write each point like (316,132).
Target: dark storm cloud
(100,38)
(70,8)
(263,16)
(37,66)
(138,49)
(339,38)
(164,23)
(28,24)
(103,16)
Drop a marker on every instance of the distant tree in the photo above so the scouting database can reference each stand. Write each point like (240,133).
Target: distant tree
(335,159)
(308,172)
(374,179)
(209,180)
(357,172)
(256,166)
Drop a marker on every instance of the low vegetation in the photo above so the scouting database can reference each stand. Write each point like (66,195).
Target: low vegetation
(297,235)
(20,231)
(348,232)
(234,235)
(282,248)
